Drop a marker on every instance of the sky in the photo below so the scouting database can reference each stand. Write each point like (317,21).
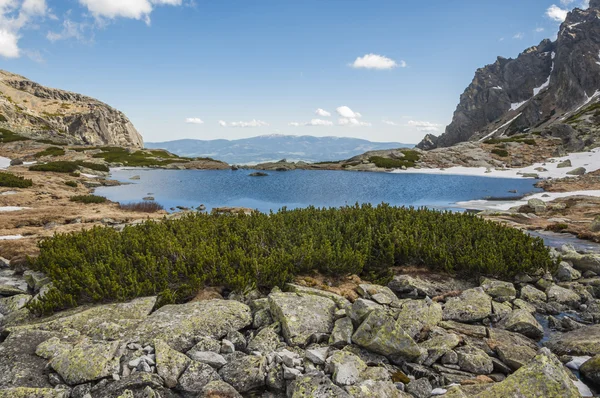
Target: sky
(383,70)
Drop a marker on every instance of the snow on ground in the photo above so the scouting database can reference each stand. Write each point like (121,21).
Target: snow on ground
(11,237)
(501,127)
(89,175)
(11,208)
(29,163)
(4,162)
(517,105)
(502,205)
(6,193)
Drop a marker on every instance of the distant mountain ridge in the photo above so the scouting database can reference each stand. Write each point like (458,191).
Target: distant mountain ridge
(268,148)
(538,92)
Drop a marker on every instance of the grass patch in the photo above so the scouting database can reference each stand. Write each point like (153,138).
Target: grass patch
(521,139)
(71,184)
(13,181)
(500,152)
(68,167)
(50,151)
(409,160)
(142,207)
(176,258)
(88,199)
(9,136)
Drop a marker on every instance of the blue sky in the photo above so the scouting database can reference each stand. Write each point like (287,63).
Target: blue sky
(385,70)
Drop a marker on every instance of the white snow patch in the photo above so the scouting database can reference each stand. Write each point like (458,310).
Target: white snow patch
(6,193)
(517,105)
(501,127)
(576,362)
(537,90)
(4,162)
(502,205)
(583,389)
(587,101)
(29,163)
(553,55)
(89,175)
(12,208)
(438,391)
(497,88)
(11,237)
(574,25)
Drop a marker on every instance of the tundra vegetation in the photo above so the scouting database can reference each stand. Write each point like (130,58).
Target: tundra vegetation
(174,258)
(13,181)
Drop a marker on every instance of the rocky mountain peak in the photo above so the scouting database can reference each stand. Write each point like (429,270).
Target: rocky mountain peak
(595,4)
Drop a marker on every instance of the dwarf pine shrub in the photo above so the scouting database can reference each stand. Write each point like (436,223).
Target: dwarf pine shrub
(13,181)
(175,258)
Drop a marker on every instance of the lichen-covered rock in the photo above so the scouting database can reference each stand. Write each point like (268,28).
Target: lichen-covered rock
(464,328)
(345,368)
(438,346)
(219,389)
(179,325)
(584,341)
(561,295)
(500,310)
(566,273)
(9,290)
(472,359)
(471,306)
(245,373)
(13,303)
(379,294)
(342,332)
(140,384)
(209,358)
(24,392)
(361,308)
(420,388)
(521,321)
(515,356)
(316,385)
(36,280)
(170,364)
(414,315)
(87,361)
(265,341)
(341,302)
(376,389)
(205,343)
(532,295)
(302,316)
(591,370)
(381,334)
(581,262)
(52,347)
(500,290)
(196,377)
(543,377)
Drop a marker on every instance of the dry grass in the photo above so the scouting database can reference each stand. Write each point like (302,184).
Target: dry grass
(142,207)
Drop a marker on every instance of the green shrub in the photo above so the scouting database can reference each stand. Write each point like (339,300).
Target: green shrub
(558,227)
(88,199)
(3,118)
(71,184)
(68,167)
(50,142)
(500,152)
(75,174)
(142,207)
(13,181)
(138,158)
(9,136)
(521,139)
(409,160)
(175,258)
(50,151)
(94,166)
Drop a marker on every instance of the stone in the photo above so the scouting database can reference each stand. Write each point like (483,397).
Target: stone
(562,296)
(302,316)
(499,290)
(420,388)
(521,321)
(466,329)
(25,392)
(565,164)
(566,273)
(179,325)
(219,389)
(361,308)
(414,315)
(591,370)
(581,262)
(438,346)
(245,373)
(472,359)
(515,356)
(544,376)
(584,341)
(13,303)
(208,357)
(227,347)
(196,376)
(500,310)
(345,368)
(450,358)
(317,355)
(380,333)
(579,171)
(265,341)
(376,389)
(290,373)
(275,379)
(238,339)
(8,290)
(471,306)
(262,318)
(87,361)
(519,304)
(532,295)
(376,373)
(52,347)
(341,302)
(538,205)
(36,280)
(170,364)
(342,332)
(315,385)
(380,294)
(205,343)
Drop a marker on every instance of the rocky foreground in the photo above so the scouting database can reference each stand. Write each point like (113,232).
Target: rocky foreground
(422,335)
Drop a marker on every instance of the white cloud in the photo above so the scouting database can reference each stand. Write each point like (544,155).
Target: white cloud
(9,47)
(347,113)
(390,123)
(314,122)
(518,36)
(70,30)
(322,113)
(134,9)
(194,120)
(539,30)
(556,13)
(566,2)
(424,126)
(16,15)
(374,61)
(251,123)
(352,122)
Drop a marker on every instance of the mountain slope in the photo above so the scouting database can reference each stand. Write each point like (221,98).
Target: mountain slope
(275,147)
(31,109)
(537,91)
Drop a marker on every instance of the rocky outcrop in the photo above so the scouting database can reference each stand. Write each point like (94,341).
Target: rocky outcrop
(40,112)
(544,88)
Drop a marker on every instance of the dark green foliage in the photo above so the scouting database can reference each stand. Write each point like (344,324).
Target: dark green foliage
(409,160)
(175,258)
(13,181)
(8,136)
(88,199)
(559,227)
(50,151)
(68,167)
(50,142)
(144,207)
(137,158)
(521,139)
(71,183)
(3,118)
(575,118)
(500,152)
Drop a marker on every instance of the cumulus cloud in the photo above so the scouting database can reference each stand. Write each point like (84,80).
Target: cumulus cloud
(424,126)
(390,123)
(194,120)
(70,30)
(347,113)
(322,113)
(518,36)
(539,30)
(242,124)
(313,122)
(374,61)
(556,13)
(352,122)
(16,15)
(134,9)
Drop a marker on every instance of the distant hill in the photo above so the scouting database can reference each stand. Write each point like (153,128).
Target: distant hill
(269,148)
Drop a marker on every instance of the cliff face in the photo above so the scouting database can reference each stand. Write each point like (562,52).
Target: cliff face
(540,89)
(31,109)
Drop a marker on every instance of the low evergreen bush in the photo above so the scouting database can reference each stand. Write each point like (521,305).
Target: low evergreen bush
(50,151)
(143,207)
(68,167)
(71,184)
(175,258)
(13,181)
(88,199)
